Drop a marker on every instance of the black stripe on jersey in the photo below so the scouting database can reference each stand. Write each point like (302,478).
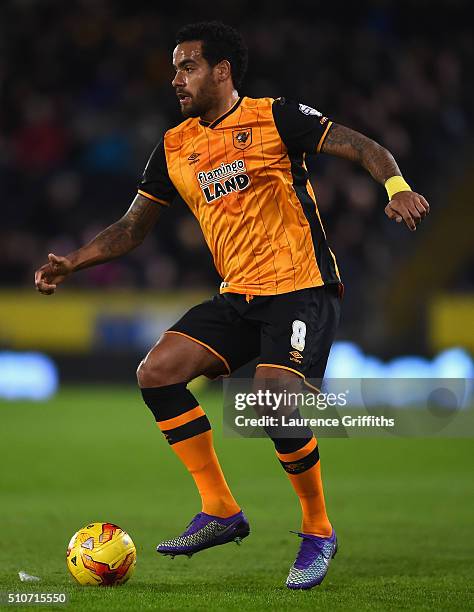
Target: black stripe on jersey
(324,258)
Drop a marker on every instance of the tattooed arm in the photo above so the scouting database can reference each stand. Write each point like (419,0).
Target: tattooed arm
(349,144)
(116,240)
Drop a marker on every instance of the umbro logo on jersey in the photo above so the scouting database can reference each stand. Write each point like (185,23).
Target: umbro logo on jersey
(296,356)
(193,158)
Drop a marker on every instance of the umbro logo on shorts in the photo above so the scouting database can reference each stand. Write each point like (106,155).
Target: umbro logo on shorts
(296,356)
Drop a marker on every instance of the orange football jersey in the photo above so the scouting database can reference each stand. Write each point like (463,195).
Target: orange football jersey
(244,178)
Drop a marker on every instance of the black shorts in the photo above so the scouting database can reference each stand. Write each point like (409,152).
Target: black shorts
(293,331)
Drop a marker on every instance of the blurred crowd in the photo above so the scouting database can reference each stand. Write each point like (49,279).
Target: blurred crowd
(86,94)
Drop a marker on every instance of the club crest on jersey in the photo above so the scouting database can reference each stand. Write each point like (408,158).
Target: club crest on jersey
(225,179)
(242,138)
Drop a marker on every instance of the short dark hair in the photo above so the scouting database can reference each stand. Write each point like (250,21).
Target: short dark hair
(219,42)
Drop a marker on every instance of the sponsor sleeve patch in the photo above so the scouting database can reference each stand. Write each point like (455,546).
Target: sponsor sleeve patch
(309,110)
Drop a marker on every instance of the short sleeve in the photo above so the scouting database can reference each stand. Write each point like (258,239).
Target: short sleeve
(155,182)
(301,128)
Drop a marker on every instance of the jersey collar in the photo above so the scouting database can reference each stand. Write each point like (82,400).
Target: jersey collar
(213,124)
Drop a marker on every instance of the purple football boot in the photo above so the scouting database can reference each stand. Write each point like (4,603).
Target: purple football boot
(312,562)
(205,531)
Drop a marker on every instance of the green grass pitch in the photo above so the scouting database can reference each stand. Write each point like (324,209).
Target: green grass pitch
(403,510)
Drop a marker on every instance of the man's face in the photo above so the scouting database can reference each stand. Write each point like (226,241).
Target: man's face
(195,82)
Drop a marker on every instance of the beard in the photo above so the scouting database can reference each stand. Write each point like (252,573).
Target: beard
(202,101)
(193,109)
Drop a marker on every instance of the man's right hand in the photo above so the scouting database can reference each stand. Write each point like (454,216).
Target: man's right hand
(114,241)
(51,274)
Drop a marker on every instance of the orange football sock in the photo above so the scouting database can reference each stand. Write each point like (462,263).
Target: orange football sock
(304,471)
(188,431)
(198,455)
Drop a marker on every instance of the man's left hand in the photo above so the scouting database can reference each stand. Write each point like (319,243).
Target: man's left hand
(407,206)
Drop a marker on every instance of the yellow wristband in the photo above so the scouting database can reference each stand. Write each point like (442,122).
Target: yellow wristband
(395,184)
